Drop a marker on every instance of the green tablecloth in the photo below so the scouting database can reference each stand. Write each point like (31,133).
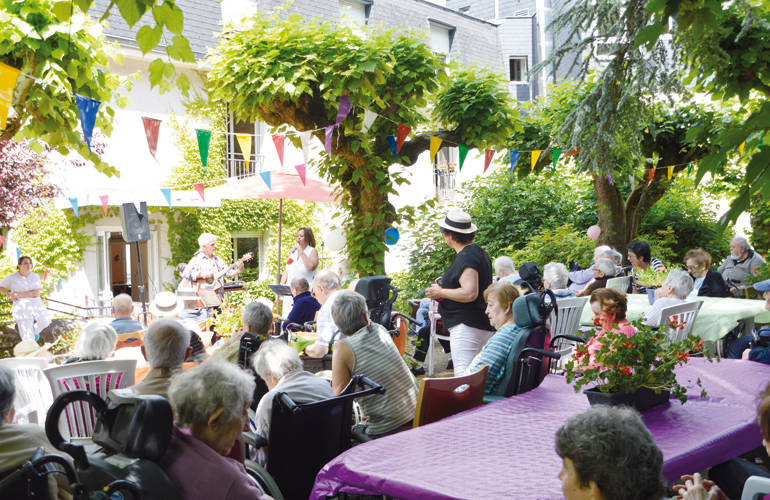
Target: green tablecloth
(715,319)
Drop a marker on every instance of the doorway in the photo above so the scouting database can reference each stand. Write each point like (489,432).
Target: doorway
(123,266)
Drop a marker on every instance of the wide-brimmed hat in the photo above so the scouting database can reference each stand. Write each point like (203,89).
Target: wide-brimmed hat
(762,286)
(458,221)
(29,348)
(166,304)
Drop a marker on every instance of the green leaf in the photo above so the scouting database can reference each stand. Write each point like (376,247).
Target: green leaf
(62,10)
(156,69)
(180,49)
(131,10)
(171,16)
(183,83)
(147,38)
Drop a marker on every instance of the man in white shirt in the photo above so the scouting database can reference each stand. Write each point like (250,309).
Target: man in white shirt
(325,286)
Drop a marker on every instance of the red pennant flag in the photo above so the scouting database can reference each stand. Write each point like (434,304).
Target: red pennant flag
(278,141)
(652,175)
(2,239)
(403,131)
(199,186)
(488,155)
(301,171)
(45,275)
(574,152)
(151,126)
(104,199)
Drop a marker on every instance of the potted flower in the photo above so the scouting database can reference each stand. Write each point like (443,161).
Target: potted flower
(637,371)
(651,280)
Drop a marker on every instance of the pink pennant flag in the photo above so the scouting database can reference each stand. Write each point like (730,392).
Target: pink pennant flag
(200,187)
(151,127)
(403,132)
(328,140)
(104,199)
(45,275)
(301,170)
(488,155)
(2,239)
(278,140)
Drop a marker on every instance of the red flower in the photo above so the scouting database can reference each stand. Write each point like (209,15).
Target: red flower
(626,370)
(628,344)
(597,321)
(681,356)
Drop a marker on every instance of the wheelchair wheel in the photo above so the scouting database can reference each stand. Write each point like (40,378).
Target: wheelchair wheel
(263,480)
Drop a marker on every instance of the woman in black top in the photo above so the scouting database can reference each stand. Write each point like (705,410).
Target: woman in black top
(461,288)
(707,282)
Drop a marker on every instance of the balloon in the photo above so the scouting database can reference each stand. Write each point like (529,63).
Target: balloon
(391,236)
(593,232)
(335,240)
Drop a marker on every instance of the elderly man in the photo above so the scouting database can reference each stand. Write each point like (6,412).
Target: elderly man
(278,364)
(674,290)
(326,286)
(367,349)
(504,270)
(169,305)
(555,277)
(305,305)
(743,261)
(122,306)
(749,347)
(166,347)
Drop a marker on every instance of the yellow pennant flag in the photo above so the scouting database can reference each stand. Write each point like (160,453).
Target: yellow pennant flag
(435,143)
(8,76)
(244,141)
(670,171)
(741,147)
(535,156)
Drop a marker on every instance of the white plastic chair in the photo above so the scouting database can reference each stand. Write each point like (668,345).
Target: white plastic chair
(33,394)
(567,322)
(755,487)
(620,284)
(433,317)
(683,315)
(98,377)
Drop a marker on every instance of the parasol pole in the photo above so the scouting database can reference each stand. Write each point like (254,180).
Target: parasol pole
(280,229)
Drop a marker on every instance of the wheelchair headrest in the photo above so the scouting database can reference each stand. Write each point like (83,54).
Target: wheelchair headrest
(526,311)
(375,289)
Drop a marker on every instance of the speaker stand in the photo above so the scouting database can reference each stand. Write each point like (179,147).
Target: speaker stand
(141,283)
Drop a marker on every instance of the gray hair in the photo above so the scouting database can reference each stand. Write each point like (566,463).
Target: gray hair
(612,447)
(681,282)
(742,242)
(258,317)
(122,304)
(196,394)
(166,343)
(555,273)
(276,358)
(300,284)
(606,266)
(7,391)
(613,255)
(504,264)
(97,340)
(349,311)
(598,251)
(328,280)
(205,239)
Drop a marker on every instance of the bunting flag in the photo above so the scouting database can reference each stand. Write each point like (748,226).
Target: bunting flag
(343,110)
(87,109)
(514,157)
(244,141)
(556,155)
(167,194)
(689,169)
(2,239)
(266,177)
(742,147)
(488,155)
(104,199)
(651,173)
(151,128)
(8,76)
(463,153)
(304,139)
(610,178)
(18,254)
(435,143)
(200,187)
(45,274)
(328,140)
(535,156)
(573,152)
(59,284)
(403,132)
(74,203)
(302,171)
(392,141)
(369,117)
(670,171)
(278,140)
(204,139)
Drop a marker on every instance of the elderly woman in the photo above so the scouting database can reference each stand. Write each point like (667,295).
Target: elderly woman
(555,278)
(604,269)
(582,277)
(256,319)
(609,307)
(706,282)
(210,405)
(460,290)
(367,349)
(504,270)
(608,452)
(499,297)
(96,341)
(743,261)
(674,290)
(23,288)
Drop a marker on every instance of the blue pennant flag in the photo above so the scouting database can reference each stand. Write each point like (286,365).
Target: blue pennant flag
(58,284)
(74,203)
(393,145)
(87,109)
(18,254)
(514,158)
(167,194)
(266,177)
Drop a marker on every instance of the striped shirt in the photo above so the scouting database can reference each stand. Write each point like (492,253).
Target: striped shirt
(494,354)
(375,355)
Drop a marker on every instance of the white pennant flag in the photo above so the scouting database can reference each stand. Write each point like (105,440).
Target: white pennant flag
(369,117)
(304,138)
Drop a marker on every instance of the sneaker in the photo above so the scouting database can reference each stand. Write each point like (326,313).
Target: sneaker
(418,370)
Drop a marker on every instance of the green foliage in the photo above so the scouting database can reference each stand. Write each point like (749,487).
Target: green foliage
(190,170)
(650,278)
(662,243)
(760,224)
(563,244)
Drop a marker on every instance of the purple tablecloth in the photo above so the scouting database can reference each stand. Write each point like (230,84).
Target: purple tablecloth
(506,449)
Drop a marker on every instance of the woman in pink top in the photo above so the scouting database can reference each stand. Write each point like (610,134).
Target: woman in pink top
(609,307)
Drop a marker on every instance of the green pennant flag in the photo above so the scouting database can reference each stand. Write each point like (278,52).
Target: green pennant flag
(204,138)
(556,155)
(689,169)
(463,153)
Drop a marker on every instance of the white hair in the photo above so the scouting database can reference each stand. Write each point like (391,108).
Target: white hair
(681,282)
(598,251)
(328,280)
(196,394)
(742,242)
(277,359)
(555,273)
(504,264)
(614,255)
(257,317)
(97,340)
(606,266)
(122,304)
(349,311)
(7,391)
(205,239)
(166,343)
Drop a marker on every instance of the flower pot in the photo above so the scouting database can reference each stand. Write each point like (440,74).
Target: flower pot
(642,399)
(651,295)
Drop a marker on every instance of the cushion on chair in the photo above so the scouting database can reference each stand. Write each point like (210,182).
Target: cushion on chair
(150,428)
(526,312)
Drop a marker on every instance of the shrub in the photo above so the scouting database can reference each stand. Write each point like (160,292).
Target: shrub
(562,244)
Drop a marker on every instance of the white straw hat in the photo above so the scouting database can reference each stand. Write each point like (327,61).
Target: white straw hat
(458,221)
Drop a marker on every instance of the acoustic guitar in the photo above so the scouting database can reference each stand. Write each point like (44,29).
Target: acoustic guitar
(205,289)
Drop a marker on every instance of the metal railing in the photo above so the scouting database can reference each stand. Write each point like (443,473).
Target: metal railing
(236,167)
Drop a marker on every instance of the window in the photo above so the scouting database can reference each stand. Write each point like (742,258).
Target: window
(354,13)
(444,173)
(243,243)
(236,164)
(518,69)
(441,36)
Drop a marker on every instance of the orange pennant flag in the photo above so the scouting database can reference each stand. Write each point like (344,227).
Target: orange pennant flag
(652,175)
(535,156)
(488,155)
(574,152)
(403,132)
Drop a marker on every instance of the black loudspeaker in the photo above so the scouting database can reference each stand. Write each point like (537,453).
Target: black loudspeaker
(136,225)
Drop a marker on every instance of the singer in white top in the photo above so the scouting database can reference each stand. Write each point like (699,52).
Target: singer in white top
(303,259)
(23,288)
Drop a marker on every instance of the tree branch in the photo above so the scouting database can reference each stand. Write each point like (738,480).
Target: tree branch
(412,148)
